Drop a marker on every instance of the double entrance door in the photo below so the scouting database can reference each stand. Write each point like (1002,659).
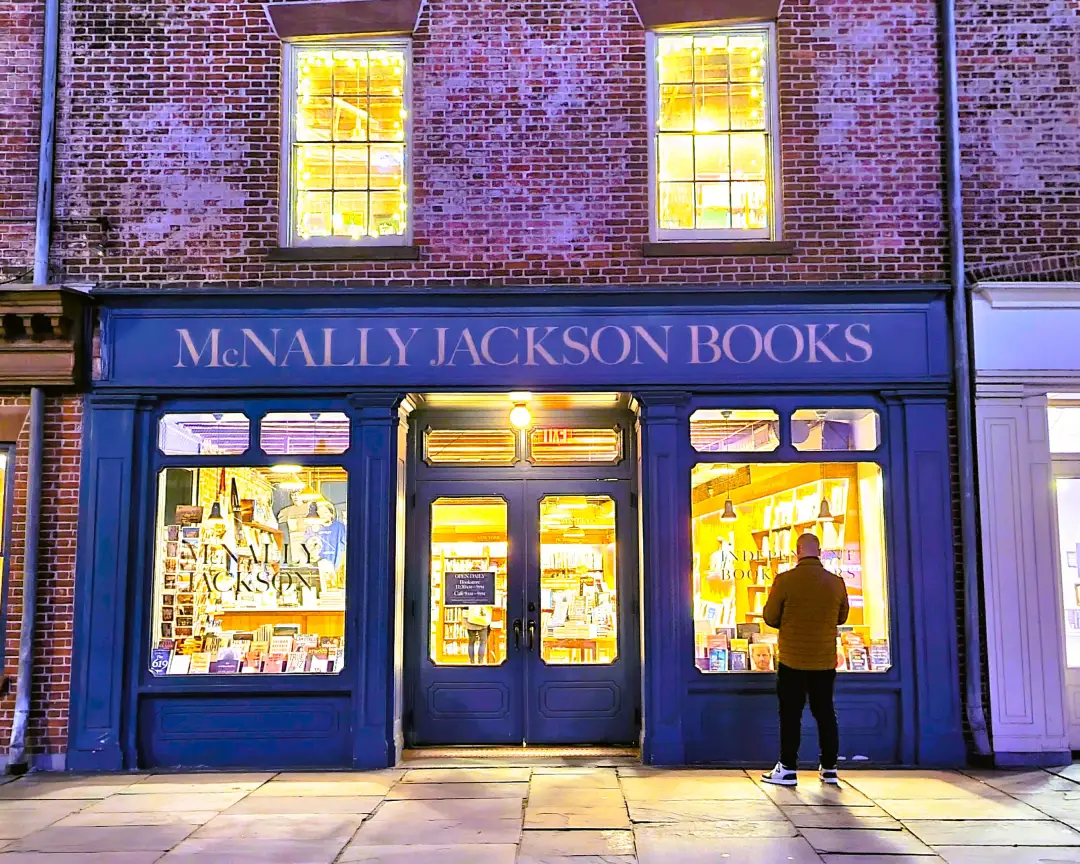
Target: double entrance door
(523,610)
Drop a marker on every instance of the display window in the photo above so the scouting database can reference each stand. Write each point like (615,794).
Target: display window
(249,570)
(469,544)
(746,519)
(304,433)
(204,434)
(836,429)
(578,602)
(727,431)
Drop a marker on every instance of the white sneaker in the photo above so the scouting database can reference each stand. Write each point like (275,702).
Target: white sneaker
(829,776)
(781,776)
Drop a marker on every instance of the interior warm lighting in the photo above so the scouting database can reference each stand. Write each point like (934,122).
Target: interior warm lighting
(285,469)
(573,532)
(291,485)
(729,514)
(215,515)
(520,417)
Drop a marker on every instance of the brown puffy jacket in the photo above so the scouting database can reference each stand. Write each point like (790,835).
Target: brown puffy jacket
(807,603)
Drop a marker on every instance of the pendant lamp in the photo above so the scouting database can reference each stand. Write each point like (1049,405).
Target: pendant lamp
(729,514)
(824,512)
(215,515)
(312,517)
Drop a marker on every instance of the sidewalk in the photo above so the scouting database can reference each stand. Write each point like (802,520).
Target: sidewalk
(542,815)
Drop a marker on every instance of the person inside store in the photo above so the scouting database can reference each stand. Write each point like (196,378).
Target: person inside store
(478,626)
(324,539)
(806,604)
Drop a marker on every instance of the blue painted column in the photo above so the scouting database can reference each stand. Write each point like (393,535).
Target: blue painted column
(376,507)
(112,426)
(667,616)
(938,734)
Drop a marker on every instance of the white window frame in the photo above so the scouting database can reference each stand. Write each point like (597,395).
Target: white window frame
(773,175)
(287,236)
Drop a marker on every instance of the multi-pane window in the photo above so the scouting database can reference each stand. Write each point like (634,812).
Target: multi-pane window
(348,177)
(713,153)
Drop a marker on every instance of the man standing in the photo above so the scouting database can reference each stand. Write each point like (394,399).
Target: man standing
(806,604)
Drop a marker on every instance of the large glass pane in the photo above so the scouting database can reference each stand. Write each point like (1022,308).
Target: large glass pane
(249,571)
(203,434)
(1068,510)
(746,520)
(715,430)
(470,447)
(1064,427)
(836,429)
(304,433)
(578,603)
(469,546)
(550,445)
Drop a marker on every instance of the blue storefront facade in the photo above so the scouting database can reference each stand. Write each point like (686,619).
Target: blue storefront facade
(361,621)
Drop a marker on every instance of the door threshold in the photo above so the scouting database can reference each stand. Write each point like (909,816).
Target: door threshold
(513,757)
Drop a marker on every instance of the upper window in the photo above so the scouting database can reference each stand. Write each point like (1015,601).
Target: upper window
(714,161)
(348,144)
(836,429)
(1064,420)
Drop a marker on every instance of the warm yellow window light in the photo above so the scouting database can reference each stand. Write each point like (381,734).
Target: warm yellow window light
(712,137)
(349,152)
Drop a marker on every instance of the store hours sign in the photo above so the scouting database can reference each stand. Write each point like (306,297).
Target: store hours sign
(474,588)
(556,349)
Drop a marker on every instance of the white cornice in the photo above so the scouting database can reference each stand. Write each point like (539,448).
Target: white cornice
(1030,295)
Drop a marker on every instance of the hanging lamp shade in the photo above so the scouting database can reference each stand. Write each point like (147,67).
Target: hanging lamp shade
(729,514)
(215,514)
(312,514)
(824,512)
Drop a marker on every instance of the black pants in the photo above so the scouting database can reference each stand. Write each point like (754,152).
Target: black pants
(792,688)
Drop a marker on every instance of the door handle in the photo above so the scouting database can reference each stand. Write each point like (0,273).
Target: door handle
(517,634)
(530,635)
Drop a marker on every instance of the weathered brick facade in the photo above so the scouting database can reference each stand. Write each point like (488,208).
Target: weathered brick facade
(1020,124)
(56,574)
(530,167)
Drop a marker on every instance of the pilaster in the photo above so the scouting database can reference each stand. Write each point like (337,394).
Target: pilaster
(1022,585)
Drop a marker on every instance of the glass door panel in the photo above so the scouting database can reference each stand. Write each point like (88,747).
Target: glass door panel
(469,546)
(1068,509)
(578,589)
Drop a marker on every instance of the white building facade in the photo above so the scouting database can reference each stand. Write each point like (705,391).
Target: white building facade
(1027,394)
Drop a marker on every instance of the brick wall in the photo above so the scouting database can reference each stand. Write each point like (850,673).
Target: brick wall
(530,146)
(20,88)
(56,575)
(1020,125)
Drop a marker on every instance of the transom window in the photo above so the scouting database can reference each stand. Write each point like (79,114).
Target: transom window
(714,163)
(348,160)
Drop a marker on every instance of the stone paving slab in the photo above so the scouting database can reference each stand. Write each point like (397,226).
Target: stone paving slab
(438,831)
(1025,781)
(414,791)
(467,775)
(1008,854)
(690,788)
(609,818)
(174,784)
(112,839)
(988,833)
(460,854)
(963,808)
(865,842)
(284,805)
(546,843)
(232,851)
(433,809)
(880,859)
(79,858)
(90,818)
(733,850)
(304,827)
(703,811)
(869,818)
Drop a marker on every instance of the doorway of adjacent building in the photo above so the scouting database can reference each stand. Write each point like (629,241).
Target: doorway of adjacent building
(522,601)
(1064,422)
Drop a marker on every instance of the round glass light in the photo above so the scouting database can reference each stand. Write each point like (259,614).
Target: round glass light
(520,417)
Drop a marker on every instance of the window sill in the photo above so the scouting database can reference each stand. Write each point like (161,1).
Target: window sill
(717,248)
(345,253)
